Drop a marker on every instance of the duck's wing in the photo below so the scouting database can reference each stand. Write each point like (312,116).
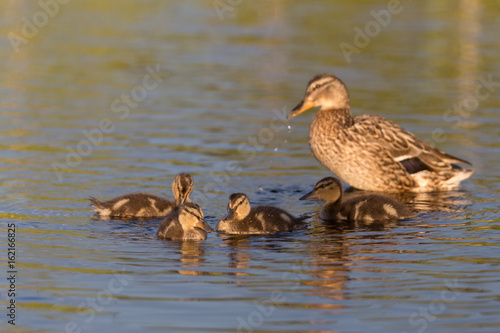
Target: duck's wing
(402,146)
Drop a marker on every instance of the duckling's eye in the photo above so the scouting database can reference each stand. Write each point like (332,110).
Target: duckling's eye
(316,86)
(195,215)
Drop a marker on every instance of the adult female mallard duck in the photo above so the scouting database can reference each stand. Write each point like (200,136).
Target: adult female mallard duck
(371,152)
(144,204)
(367,207)
(185,223)
(242,219)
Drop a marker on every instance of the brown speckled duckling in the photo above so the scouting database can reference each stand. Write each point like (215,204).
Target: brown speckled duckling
(367,207)
(370,152)
(242,219)
(185,223)
(144,204)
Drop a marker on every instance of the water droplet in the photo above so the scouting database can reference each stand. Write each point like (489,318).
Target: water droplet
(276,149)
(289,129)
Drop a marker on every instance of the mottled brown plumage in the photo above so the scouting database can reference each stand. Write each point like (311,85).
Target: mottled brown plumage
(242,219)
(367,207)
(371,152)
(144,204)
(184,223)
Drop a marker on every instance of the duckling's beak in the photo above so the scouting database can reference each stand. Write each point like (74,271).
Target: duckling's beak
(184,197)
(202,224)
(310,195)
(301,107)
(229,216)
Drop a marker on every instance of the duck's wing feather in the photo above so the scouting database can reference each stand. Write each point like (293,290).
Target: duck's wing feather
(404,147)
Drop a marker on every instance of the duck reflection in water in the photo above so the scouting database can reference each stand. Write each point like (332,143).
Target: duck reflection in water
(188,257)
(314,263)
(192,255)
(238,252)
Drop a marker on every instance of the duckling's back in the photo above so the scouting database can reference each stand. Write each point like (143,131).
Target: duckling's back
(170,227)
(133,204)
(271,219)
(374,207)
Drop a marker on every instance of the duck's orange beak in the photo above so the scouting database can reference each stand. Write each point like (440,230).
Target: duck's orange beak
(301,107)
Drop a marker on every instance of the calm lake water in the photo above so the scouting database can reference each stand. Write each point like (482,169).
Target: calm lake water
(106,98)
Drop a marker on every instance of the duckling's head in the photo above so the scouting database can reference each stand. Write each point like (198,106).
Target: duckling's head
(329,189)
(191,217)
(182,188)
(238,207)
(325,91)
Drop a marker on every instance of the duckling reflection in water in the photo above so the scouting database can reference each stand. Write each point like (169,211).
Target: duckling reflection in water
(185,223)
(365,208)
(242,219)
(144,204)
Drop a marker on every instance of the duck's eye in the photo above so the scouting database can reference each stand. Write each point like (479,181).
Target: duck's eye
(316,86)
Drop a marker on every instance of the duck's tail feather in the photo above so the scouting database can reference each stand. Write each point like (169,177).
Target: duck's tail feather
(453,159)
(429,181)
(96,203)
(99,208)
(459,175)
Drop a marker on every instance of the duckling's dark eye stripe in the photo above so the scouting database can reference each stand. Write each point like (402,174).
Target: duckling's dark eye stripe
(238,204)
(319,85)
(323,185)
(190,212)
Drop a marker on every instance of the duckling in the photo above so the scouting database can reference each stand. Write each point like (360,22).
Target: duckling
(242,219)
(370,152)
(366,208)
(144,204)
(184,223)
